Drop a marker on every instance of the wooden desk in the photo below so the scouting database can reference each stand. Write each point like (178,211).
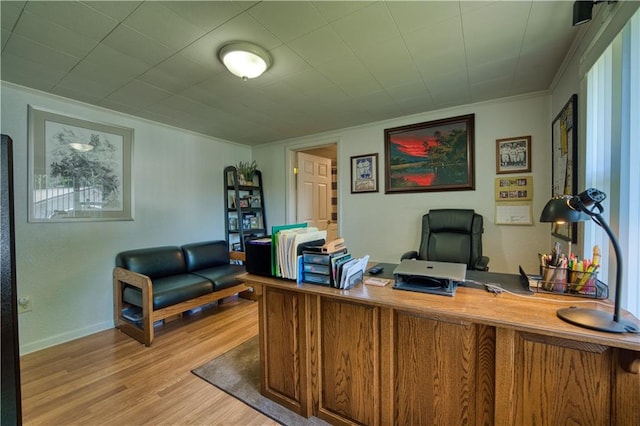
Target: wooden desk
(378,356)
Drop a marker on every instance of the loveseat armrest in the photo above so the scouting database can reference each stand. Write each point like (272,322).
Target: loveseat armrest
(122,276)
(413,254)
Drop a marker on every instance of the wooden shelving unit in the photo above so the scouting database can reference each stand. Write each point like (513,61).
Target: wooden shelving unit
(244,209)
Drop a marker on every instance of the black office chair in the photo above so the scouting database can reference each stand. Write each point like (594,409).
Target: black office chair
(452,235)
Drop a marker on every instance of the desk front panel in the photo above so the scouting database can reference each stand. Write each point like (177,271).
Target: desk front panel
(356,357)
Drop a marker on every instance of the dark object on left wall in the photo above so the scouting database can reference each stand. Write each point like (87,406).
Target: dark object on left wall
(11,407)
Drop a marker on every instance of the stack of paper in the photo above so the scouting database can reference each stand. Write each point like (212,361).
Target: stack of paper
(288,243)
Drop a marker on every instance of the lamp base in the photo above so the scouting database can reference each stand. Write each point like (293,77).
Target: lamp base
(596,320)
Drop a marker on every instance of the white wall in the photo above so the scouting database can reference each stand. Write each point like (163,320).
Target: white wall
(66,267)
(386,225)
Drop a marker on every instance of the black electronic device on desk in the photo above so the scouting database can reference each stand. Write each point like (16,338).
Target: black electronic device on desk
(429,277)
(258,256)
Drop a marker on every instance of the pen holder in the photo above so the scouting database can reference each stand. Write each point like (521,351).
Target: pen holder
(563,280)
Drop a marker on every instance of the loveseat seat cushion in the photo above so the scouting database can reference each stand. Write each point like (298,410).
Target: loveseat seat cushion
(154,262)
(207,254)
(223,276)
(170,290)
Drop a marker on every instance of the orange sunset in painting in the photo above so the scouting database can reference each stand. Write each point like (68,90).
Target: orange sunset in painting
(424,156)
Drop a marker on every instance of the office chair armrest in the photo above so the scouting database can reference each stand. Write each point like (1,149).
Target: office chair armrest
(409,255)
(482,264)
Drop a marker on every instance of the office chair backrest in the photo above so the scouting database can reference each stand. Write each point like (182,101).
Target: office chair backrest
(452,235)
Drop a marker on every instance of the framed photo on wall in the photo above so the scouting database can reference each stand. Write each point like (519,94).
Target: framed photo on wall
(78,170)
(513,155)
(564,170)
(364,173)
(431,156)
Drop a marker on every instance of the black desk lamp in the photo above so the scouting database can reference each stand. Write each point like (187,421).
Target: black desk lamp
(580,208)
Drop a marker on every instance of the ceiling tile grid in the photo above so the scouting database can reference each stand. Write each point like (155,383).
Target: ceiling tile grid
(335,64)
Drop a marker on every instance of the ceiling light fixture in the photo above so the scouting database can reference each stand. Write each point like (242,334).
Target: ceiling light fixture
(244,59)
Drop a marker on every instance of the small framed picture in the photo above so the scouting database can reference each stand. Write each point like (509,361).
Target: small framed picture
(364,173)
(513,155)
(244,202)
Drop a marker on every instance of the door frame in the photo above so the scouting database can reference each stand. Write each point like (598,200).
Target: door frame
(290,178)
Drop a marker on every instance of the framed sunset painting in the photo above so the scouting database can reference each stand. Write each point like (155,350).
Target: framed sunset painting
(432,156)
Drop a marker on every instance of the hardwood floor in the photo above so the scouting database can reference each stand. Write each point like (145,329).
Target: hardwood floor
(110,379)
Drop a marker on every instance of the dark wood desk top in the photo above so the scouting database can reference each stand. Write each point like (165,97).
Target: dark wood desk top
(534,313)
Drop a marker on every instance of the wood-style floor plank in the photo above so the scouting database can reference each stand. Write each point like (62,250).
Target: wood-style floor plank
(109,378)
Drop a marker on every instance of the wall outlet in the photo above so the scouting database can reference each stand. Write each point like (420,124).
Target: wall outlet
(24,304)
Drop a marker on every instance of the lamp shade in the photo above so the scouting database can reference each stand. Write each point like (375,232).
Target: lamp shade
(558,209)
(244,59)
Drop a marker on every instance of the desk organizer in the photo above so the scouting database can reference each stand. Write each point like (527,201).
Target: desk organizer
(570,282)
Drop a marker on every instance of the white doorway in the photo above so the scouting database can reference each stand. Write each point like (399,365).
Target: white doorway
(316,188)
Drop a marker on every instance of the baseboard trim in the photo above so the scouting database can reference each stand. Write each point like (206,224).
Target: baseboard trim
(27,348)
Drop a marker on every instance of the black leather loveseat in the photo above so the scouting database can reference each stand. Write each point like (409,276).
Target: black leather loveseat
(161,282)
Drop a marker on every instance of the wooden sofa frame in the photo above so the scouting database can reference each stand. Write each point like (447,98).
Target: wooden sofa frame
(145,334)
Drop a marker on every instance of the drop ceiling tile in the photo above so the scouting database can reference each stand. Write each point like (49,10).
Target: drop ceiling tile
(309,81)
(206,15)
(495,70)
(288,20)
(9,13)
(111,60)
(366,27)
(89,81)
(436,40)
(132,43)
(546,21)
(57,37)
(77,94)
(449,89)
(389,62)
(417,104)
(138,94)
(407,89)
(351,76)
(178,66)
(411,16)
(40,54)
(491,89)
(481,38)
(320,46)
(453,61)
(74,16)
(160,23)
(164,79)
(117,10)
(26,73)
(245,28)
(4,38)
(204,51)
(115,106)
(332,10)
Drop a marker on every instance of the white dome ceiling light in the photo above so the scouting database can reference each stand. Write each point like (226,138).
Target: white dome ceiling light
(244,59)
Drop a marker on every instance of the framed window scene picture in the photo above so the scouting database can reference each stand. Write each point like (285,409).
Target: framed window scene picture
(513,155)
(430,156)
(364,173)
(78,170)
(564,173)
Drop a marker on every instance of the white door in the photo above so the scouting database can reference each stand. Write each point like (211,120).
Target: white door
(314,193)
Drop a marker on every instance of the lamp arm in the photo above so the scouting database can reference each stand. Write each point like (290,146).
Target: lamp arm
(597,218)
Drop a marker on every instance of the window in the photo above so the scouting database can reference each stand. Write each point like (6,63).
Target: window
(613,155)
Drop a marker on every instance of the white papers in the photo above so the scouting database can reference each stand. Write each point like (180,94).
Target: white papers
(352,271)
(288,242)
